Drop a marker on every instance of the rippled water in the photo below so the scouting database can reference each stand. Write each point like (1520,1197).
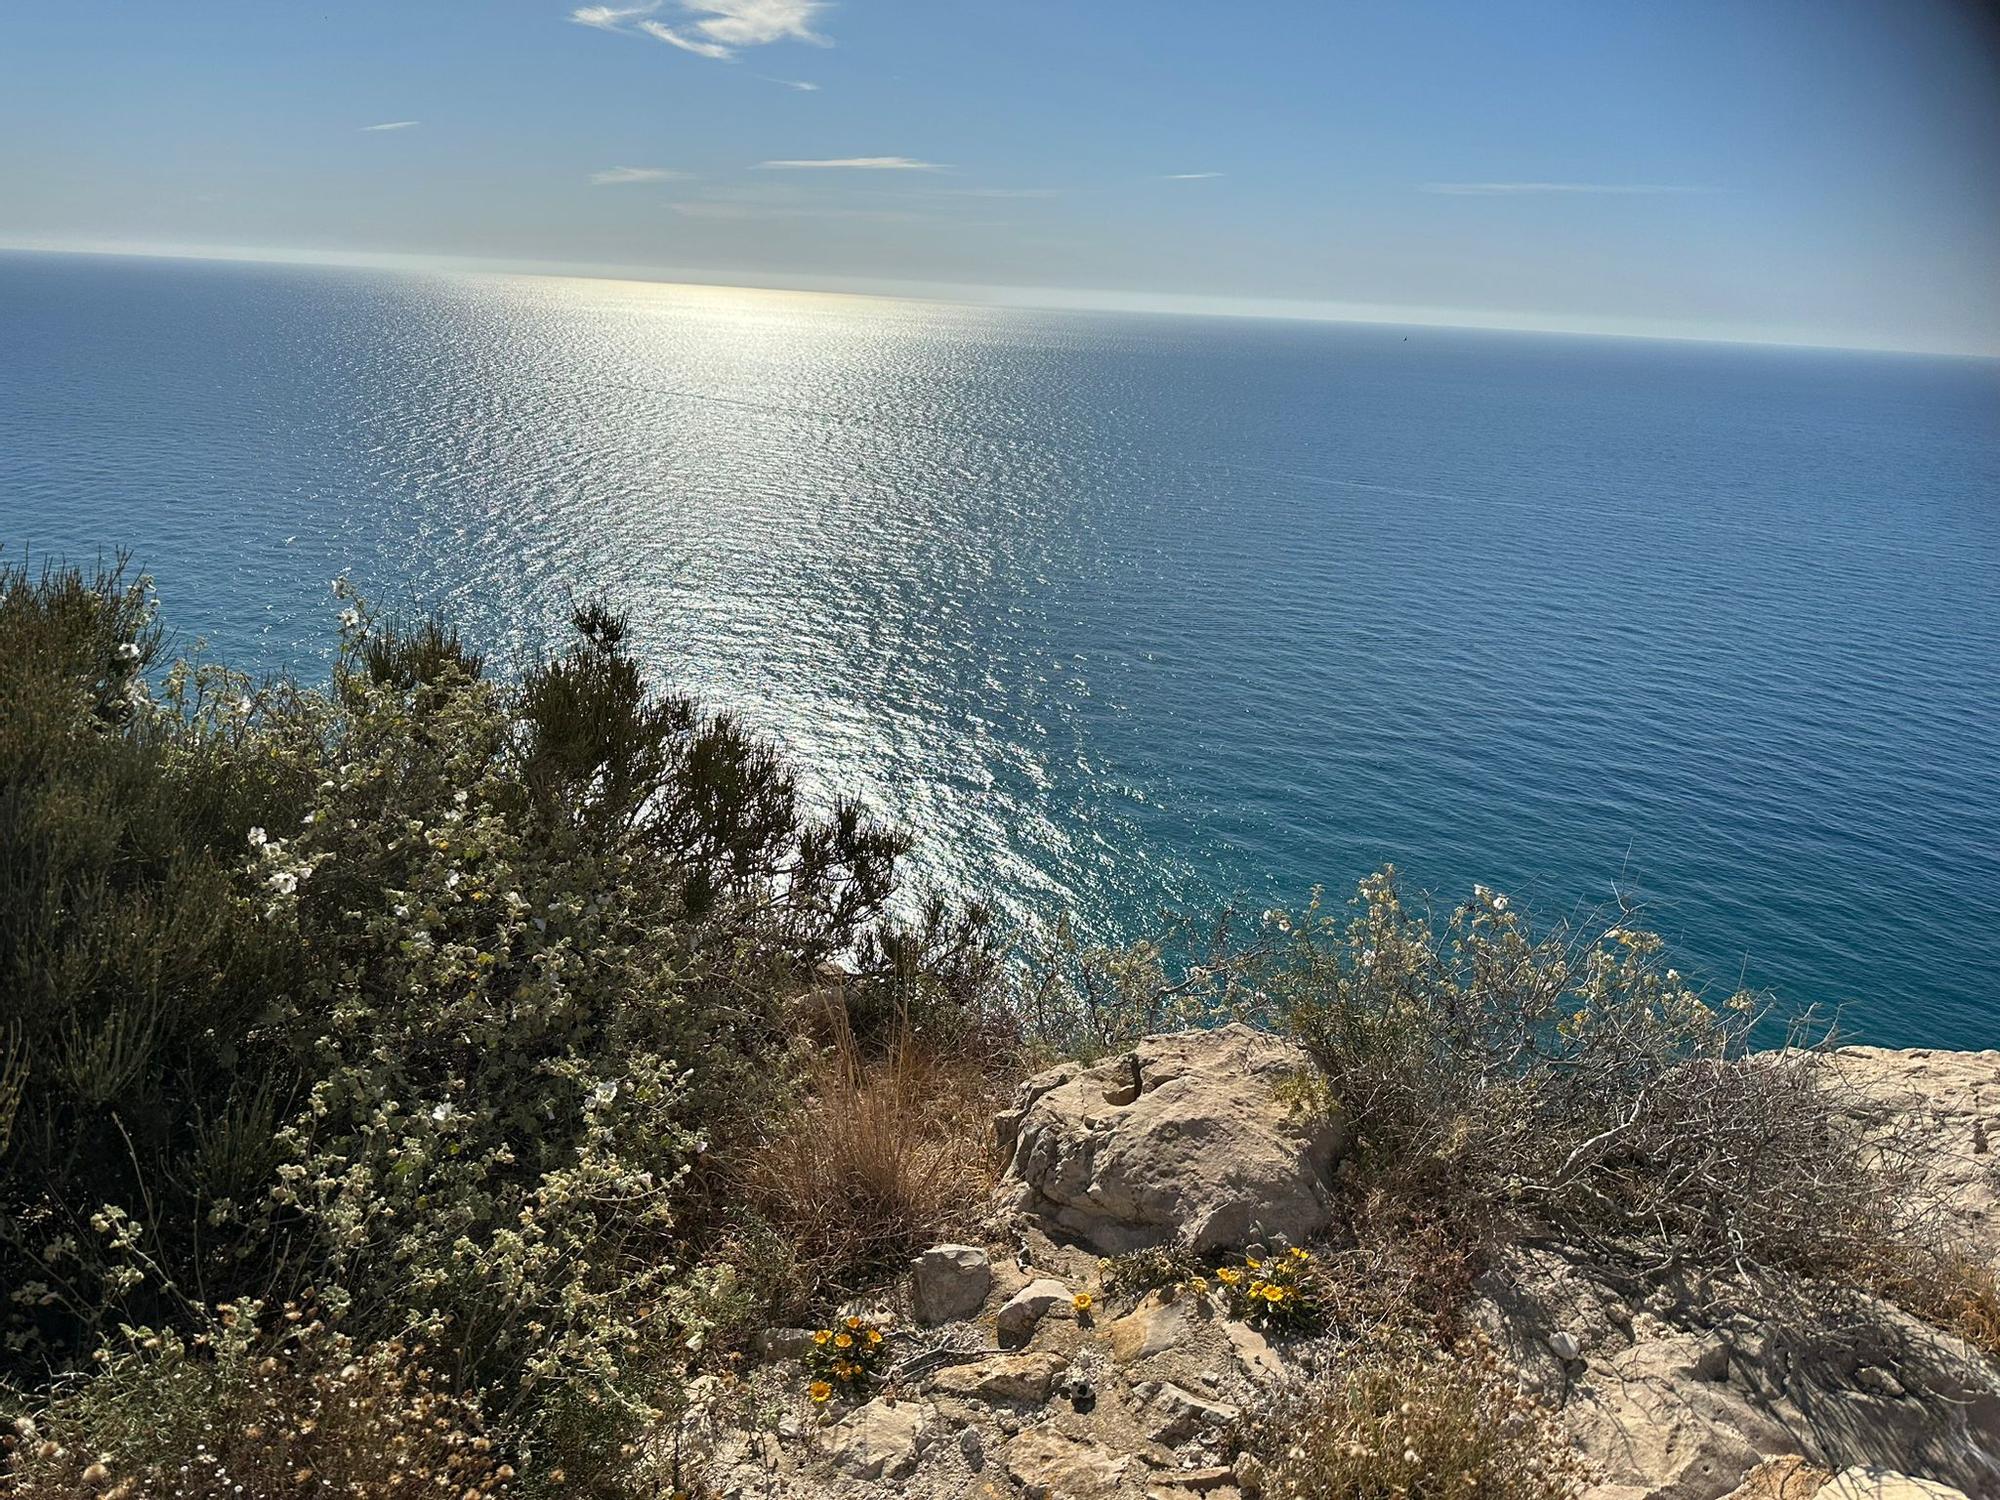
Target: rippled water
(1118,612)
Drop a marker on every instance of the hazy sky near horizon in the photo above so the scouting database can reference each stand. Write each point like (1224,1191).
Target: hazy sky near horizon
(1823,171)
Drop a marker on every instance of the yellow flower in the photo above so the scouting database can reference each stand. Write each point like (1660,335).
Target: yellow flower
(1081,1301)
(853,1322)
(843,1341)
(1298,1254)
(819,1390)
(824,1336)
(1274,1294)
(1228,1276)
(1253,1263)
(874,1335)
(1199,1286)
(1257,1288)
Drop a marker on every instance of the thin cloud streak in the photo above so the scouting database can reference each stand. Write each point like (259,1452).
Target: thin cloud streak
(1509,189)
(851,164)
(390,125)
(715,29)
(619,176)
(660,32)
(1189,176)
(610,17)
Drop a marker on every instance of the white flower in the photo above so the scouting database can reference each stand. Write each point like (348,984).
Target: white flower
(442,1112)
(603,1094)
(128,651)
(256,838)
(402,911)
(284,882)
(349,618)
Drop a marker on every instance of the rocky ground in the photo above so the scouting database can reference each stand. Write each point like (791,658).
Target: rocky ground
(1002,1388)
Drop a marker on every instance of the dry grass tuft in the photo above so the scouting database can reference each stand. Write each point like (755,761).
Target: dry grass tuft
(879,1158)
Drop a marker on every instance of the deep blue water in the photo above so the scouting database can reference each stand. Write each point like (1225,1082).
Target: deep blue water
(1121,612)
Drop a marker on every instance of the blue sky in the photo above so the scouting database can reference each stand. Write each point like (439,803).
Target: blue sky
(1821,171)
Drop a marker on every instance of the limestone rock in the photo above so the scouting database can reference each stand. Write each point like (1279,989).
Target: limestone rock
(1190,1132)
(1939,1113)
(948,1282)
(1787,1478)
(1022,1378)
(879,1439)
(1151,1328)
(1027,1307)
(1050,1465)
(1177,1415)
(1863,1483)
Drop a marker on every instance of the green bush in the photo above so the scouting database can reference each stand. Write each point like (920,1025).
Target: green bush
(1569,1082)
(425,995)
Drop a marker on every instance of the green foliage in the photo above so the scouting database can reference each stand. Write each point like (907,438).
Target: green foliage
(428,995)
(1565,1079)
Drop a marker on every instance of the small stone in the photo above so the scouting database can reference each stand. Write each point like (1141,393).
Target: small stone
(1875,1379)
(973,1446)
(1024,1378)
(1178,1415)
(1052,1466)
(879,1438)
(785,1343)
(1564,1346)
(1150,1328)
(949,1282)
(1026,1308)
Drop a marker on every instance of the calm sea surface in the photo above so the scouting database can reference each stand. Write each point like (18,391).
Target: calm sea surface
(1121,613)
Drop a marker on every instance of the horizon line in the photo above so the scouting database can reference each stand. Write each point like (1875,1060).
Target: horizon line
(1027,298)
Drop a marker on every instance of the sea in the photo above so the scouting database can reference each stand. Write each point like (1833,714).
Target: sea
(1130,618)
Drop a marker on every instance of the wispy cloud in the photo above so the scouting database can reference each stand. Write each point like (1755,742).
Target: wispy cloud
(727,211)
(1507,189)
(1189,176)
(793,83)
(391,125)
(619,176)
(661,32)
(712,28)
(610,17)
(854,163)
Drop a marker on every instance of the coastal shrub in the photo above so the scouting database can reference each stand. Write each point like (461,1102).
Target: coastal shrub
(1570,1079)
(436,996)
(260,1403)
(138,1085)
(1404,1421)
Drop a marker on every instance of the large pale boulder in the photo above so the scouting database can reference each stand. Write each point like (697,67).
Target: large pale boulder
(1866,1483)
(1935,1115)
(1195,1133)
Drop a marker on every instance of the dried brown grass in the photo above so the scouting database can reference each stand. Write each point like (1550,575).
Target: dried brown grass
(880,1156)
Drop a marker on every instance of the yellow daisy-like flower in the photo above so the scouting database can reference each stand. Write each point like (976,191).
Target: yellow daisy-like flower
(853,1322)
(1298,1254)
(1274,1294)
(823,1337)
(1253,1263)
(1228,1276)
(819,1390)
(874,1335)
(843,1341)
(1257,1288)
(1081,1301)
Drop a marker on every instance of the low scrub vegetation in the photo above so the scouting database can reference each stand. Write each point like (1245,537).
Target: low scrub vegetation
(1403,1421)
(427,1074)
(450,1004)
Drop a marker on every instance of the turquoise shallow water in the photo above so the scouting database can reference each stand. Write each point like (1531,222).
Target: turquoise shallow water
(1117,612)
